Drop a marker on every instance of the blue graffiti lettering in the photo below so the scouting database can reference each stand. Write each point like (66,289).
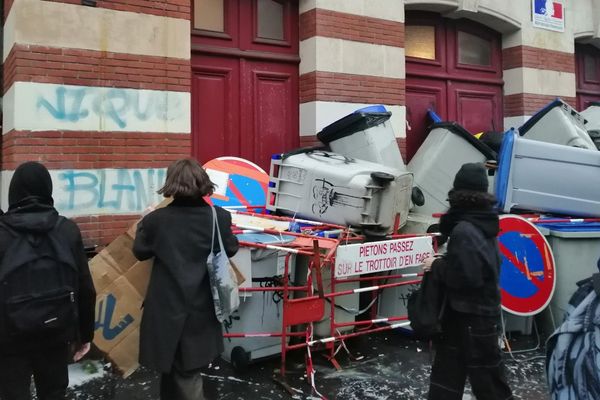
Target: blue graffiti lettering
(78,182)
(120,106)
(60,110)
(105,316)
(114,105)
(114,190)
(142,115)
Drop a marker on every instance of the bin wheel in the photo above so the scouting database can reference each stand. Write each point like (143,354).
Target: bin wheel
(382,177)
(240,358)
(417,197)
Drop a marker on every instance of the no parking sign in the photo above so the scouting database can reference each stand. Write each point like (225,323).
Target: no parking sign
(527,274)
(239,182)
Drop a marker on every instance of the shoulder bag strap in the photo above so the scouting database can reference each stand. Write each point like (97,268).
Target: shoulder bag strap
(218,231)
(214,223)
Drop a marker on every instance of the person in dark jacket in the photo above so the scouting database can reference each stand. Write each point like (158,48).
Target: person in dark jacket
(468,344)
(31,212)
(179,331)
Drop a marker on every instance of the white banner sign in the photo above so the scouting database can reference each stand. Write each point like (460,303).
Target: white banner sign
(367,258)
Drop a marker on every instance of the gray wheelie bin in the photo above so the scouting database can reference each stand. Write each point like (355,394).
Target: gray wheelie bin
(547,178)
(558,123)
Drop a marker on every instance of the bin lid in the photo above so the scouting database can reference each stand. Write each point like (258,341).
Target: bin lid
(378,108)
(358,121)
(573,229)
(463,133)
(539,115)
(503,171)
(265,238)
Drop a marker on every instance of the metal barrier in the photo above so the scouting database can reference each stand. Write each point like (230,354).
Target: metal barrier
(304,305)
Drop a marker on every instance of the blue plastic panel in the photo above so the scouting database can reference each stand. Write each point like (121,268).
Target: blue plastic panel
(371,109)
(503,171)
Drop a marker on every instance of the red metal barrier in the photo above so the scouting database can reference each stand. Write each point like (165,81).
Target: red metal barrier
(303,306)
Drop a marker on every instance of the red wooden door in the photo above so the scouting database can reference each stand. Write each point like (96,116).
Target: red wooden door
(475,106)
(270,110)
(245,79)
(422,94)
(454,67)
(587,59)
(216,117)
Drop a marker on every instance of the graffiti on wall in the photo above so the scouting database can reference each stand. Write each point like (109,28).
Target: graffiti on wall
(119,106)
(85,108)
(106,191)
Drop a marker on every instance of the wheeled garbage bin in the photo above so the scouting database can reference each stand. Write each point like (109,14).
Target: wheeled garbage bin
(334,188)
(259,312)
(576,249)
(447,147)
(393,301)
(548,178)
(558,123)
(592,117)
(366,134)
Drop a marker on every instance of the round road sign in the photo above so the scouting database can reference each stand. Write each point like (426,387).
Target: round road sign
(239,183)
(527,274)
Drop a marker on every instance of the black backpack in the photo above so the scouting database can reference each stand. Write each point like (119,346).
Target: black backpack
(39,283)
(426,308)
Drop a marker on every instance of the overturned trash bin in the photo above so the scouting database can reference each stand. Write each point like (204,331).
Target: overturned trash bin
(547,177)
(558,123)
(258,311)
(447,147)
(592,124)
(366,134)
(576,249)
(333,188)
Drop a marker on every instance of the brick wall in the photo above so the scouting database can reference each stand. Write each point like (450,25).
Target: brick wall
(517,105)
(352,56)
(358,28)
(532,57)
(168,8)
(30,63)
(351,88)
(534,77)
(109,120)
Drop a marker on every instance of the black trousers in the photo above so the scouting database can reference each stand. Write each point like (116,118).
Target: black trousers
(179,385)
(468,347)
(49,368)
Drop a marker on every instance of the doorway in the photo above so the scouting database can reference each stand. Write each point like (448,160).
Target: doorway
(244,79)
(587,69)
(453,67)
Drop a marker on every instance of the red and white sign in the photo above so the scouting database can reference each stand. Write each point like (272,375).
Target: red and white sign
(527,274)
(368,258)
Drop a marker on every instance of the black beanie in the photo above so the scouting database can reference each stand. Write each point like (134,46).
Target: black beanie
(471,176)
(30,180)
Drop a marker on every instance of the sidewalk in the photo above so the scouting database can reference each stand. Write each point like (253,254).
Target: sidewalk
(392,367)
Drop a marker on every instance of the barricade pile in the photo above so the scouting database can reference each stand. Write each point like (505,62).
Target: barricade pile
(319,266)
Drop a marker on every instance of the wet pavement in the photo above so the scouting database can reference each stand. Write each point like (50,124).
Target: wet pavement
(384,366)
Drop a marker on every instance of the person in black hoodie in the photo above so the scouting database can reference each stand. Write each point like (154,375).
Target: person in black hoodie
(31,213)
(468,344)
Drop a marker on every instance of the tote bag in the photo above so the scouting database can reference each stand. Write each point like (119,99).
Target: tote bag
(223,281)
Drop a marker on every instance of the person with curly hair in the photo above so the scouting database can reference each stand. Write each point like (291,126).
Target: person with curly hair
(468,345)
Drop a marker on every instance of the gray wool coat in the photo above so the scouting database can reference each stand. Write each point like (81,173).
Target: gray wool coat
(179,327)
